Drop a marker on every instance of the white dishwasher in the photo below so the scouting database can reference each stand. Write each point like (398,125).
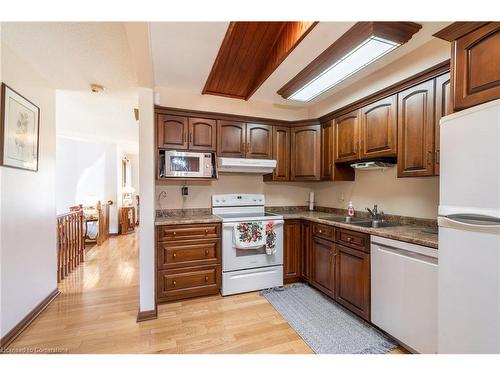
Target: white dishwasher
(404,290)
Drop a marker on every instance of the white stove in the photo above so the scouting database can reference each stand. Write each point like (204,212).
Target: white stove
(245,270)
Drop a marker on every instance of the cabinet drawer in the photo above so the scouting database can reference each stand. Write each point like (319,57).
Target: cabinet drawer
(355,240)
(188,282)
(188,232)
(188,253)
(324,231)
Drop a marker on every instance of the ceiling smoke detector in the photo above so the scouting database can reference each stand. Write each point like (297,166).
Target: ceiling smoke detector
(94,87)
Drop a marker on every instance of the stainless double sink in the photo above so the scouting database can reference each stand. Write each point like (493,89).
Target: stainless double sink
(360,222)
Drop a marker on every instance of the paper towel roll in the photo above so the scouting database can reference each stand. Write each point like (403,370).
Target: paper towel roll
(311,201)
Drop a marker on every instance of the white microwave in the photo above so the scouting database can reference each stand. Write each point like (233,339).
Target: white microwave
(186,164)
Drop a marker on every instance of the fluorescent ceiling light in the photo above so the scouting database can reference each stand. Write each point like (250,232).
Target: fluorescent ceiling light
(364,54)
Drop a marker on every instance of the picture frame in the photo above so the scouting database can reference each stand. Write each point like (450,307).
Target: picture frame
(19,131)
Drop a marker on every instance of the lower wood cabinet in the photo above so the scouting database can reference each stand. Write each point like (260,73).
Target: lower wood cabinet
(188,261)
(334,260)
(292,251)
(127,220)
(352,280)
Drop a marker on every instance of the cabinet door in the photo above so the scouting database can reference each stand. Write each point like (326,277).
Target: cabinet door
(379,129)
(306,250)
(231,139)
(443,108)
(416,131)
(259,141)
(306,153)
(281,153)
(327,151)
(323,261)
(202,134)
(476,67)
(352,280)
(291,256)
(172,132)
(347,137)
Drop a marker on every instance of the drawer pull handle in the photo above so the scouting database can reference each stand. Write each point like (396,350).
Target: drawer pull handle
(320,231)
(206,231)
(174,255)
(174,283)
(174,233)
(206,252)
(349,239)
(206,278)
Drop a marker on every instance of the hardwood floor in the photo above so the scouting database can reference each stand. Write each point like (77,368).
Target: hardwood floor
(97,309)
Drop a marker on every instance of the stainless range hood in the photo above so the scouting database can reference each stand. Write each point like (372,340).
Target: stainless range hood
(372,165)
(240,165)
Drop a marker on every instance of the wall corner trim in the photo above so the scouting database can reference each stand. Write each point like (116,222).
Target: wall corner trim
(146,315)
(27,320)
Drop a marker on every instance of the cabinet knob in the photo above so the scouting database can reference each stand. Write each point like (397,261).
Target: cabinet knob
(349,239)
(206,252)
(320,231)
(174,233)
(174,283)
(174,255)
(206,231)
(206,278)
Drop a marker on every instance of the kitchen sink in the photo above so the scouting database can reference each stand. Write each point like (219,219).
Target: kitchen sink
(374,224)
(345,219)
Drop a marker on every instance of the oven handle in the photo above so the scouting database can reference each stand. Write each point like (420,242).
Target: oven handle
(276,222)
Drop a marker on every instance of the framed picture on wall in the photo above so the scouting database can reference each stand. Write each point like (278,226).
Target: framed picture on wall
(19,131)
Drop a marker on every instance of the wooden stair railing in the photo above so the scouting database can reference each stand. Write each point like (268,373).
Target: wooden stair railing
(70,243)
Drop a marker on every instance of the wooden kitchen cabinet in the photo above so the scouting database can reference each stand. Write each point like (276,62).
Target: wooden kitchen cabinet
(475,67)
(259,141)
(352,280)
(305,153)
(202,134)
(292,251)
(188,261)
(443,108)
(416,131)
(231,140)
(346,144)
(281,153)
(172,132)
(306,250)
(379,129)
(329,170)
(323,265)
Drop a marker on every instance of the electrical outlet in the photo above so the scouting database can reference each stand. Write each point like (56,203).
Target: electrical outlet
(184,191)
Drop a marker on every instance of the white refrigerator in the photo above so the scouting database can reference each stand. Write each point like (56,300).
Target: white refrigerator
(469,231)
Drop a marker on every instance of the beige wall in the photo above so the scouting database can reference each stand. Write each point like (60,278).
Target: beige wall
(200,193)
(194,100)
(416,196)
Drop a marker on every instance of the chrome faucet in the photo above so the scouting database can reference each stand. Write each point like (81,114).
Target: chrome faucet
(375,214)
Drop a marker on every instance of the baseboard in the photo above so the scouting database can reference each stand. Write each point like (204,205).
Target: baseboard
(26,321)
(146,315)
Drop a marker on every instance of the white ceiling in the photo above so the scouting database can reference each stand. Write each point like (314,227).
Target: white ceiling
(183,54)
(71,55)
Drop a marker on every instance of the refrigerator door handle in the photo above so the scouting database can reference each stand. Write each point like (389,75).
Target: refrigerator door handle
(471,222)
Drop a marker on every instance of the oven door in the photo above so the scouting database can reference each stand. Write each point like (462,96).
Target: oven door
(239,259)
(184,164)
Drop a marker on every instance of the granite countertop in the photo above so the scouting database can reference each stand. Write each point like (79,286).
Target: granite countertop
(416,234)
(408,232)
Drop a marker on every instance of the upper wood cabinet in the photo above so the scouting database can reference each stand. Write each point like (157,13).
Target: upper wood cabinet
(416,131)
(306,153)
(259,141)
(379,129)
(281,153)
(323,265)
(476,66)
(232,139)
(292,253)
(347,137)
(202,134)
(443,108)
(172,132)
(327,151)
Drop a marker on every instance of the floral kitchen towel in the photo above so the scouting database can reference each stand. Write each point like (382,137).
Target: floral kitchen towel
(270,238)
(249,235)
